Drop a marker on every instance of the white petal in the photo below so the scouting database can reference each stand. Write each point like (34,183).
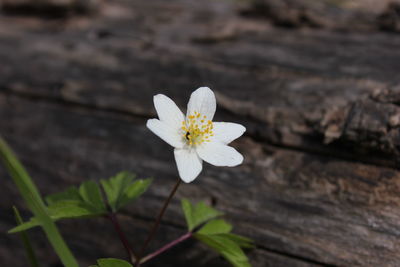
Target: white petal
(170,135)
(226,132)
(168,111)
(219,154)
(203,101)
(189,164)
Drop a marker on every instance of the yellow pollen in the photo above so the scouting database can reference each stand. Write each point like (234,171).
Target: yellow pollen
(196,129)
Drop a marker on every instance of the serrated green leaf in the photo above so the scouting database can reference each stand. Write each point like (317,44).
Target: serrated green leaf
(226,247)
(114,187)
(77,203)
(242,241)
(133,191)
(122,189)
(35,203)
(60,210)
(198,214)
(69,204)
(91,195)
(113,263)
(72,209)
(71,193)
(215,227)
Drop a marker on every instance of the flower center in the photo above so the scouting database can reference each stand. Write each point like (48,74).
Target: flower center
(197,129)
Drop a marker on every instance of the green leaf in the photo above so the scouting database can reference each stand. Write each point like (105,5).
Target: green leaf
(72,203)
(133,191)
(122,189)
(63,209)
(33,222)
(242,241)
(196,215)
(91,195)
(114,187)
(215,227)
(71,193)
(216,233)
(226,247)
(72,209)
(26,242)
(86,201)
(112,263)
(35,203)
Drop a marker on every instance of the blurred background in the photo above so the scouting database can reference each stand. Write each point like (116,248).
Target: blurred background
(315,82)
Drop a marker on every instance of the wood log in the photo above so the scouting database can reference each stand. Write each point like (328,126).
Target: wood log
(319,185)
(51,9)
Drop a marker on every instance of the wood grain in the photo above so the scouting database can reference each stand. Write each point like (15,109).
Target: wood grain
(320,183)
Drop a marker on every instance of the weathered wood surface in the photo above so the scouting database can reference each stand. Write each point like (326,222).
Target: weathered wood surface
(320,183)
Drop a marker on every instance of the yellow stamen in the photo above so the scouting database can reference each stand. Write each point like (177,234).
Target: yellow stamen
(196,129)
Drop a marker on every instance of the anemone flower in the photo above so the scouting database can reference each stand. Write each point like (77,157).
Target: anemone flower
(196,137)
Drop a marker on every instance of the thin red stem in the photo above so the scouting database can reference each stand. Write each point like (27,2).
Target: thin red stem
(166,247)
(157,222)
(131,254)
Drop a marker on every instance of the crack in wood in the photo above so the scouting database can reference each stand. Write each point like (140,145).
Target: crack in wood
(254,136)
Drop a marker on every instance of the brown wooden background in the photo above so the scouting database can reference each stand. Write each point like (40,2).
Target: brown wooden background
(316,83)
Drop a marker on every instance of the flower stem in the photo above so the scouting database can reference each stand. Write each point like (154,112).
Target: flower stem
(157,222)
(166,247)
(131,254)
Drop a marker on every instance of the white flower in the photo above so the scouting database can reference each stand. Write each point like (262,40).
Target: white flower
(196,137)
